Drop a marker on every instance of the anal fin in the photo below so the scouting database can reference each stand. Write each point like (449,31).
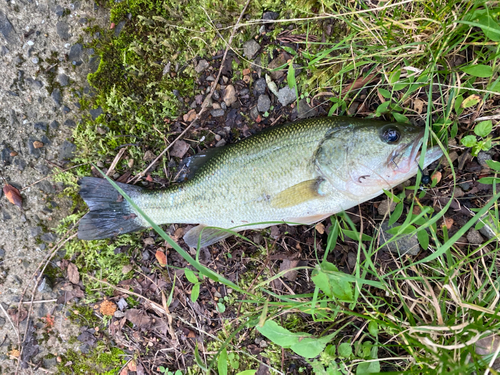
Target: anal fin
(206,235)
(296,194)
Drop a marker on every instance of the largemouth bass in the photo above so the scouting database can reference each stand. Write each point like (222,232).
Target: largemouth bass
(298,173)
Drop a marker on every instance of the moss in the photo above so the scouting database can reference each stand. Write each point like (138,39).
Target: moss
(100,360)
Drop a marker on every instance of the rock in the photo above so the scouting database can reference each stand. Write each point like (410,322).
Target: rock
(407,244)
(491,229)
(32,149)
(263,103)
(179,149)
(259,87)
(41,126)
(62,29)
(69,123)
(119,28)
(67,150)
(63,79)
(276,63)
(482,157)
(54,124)
(65,109)
(304,110)
(6,29)
(35,231)
(48,237)
(385,207)
(96,112)
(59,10)
(250,49)
(270,16)
(94,64)
(286,95)
(229,95)
(221,143)
(56,96)
(20,163)
(217,112)
(34,83)
(254,113)
(474,237)
(75,53)
(2,253)
(202,65)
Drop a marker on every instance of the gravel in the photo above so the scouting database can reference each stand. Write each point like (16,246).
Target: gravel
(286,96)
(250,49)
(404,245)
(263,103)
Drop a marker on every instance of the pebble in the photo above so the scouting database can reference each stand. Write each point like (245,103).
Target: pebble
(474,237)
(482,157)
(62,29)
(221,143)
(41,126)
(67,150)
(270,16)
(304,110)
(250,49)
(2,253)
(75,53)
(259,87)
(407,244)
(63,79)
(96,112)
(229,95)
(56,96)
(119,28)
(32,149)
(202,65)
(254,113)
(385,207)
(217,112)
(263,103)
(6,29)
(66,109)
(54,124)
(35,60)
(286,95)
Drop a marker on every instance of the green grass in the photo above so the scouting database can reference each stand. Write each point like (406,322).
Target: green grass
(422,316)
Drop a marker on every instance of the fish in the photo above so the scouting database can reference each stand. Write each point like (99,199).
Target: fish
(299,173)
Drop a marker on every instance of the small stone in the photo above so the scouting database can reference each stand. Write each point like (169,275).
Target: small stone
(351,260)
(179,149)
(286,95)
(385,207)
(474,237)
(62,29)
(270,16)
(35,60)
(67,150)
(75,53)
(65,109)
(250,49)
(221,143)
(2,253)
(406,244)
(305,110)
(217,112)
(491,228)
(190,116)
(263,103)
(202,65)
(41,126)
(59,10)
(259,87)
(96,112)
(32,149)
(119,28)
(149,155)
(254,113)
(482,158)
(35,231)
(276,63)
(6,29)
(37,144)
(229,95)
(54,124)
(56,96)
(69,123)
(63,79)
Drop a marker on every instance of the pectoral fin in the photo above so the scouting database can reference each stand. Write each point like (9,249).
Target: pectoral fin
(296,194)
(206,235)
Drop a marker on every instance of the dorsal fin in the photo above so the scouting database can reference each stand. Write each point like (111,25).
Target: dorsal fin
(189,166)
(296,194)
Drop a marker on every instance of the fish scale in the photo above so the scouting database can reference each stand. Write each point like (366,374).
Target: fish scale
(299,172)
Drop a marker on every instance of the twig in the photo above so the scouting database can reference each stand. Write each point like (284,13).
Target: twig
(204,108)
(115,161)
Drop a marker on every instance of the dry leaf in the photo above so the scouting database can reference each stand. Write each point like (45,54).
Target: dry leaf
(37,144)
(73,274)
(124,371)
(418,105)
(437,176)
(132,365)
(161,257)
(448,222)
(13,195)
(320,228)
(138,318)
(360,82)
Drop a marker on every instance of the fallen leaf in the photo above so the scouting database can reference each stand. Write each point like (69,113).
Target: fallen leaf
(437,176)
(320,228)
(138,318)
(124,371)
(191,335)
(471,101)
(190,116)
(418,105)
(161,257)
(448,222)
(73,274)
(13,195)
(37,144)
(358,83)
(179,149)
(132,365)
(107,308)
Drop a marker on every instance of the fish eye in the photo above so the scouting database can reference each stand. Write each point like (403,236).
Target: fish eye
(391,135)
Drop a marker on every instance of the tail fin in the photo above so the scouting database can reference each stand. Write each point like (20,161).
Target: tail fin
(110,214)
